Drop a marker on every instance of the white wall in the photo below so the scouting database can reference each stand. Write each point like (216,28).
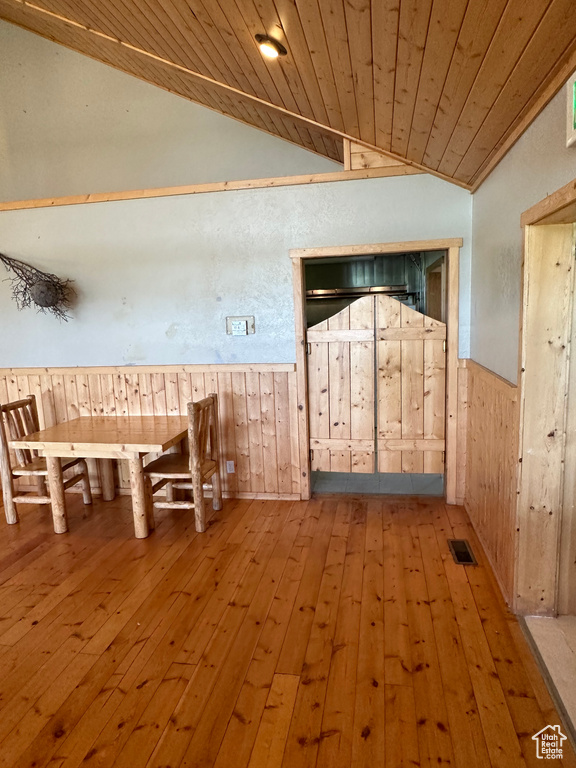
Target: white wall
(70,125)
(538,164)
(156,278)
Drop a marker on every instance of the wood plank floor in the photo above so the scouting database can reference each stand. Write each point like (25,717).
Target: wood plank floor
(334,633)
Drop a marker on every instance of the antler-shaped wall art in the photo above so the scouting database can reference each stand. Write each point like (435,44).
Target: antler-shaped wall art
(32,286)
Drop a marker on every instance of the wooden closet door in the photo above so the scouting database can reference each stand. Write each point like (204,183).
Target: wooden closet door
(341,390)
(411,387)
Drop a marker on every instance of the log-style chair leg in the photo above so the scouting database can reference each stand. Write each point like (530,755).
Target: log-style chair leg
(174,494)
(85,483)
(7,484)
(216,491)
(6,476)
(199,507)
(149,503)
(8,496)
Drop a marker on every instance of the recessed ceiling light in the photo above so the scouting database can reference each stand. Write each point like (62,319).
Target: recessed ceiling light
(270,47)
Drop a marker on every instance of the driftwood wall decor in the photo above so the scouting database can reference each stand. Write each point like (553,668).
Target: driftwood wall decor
(31,286)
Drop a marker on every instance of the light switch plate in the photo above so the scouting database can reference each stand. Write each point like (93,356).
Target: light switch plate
(240,325)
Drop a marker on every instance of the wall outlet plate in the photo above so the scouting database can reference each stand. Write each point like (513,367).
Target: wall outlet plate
(240,325)
(230,467)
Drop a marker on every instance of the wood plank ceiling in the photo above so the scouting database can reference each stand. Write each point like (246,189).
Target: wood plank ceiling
(446,85)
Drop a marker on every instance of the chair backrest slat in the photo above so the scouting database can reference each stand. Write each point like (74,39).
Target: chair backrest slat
(203,431)
(16,424)
(28,419)
(18,419)
(16,430)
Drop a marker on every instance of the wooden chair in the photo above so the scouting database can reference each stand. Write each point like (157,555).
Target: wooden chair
(17,420)
(177,471)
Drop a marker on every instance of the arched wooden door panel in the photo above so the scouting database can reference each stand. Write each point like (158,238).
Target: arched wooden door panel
(411,389)
(376,389)
(341,388)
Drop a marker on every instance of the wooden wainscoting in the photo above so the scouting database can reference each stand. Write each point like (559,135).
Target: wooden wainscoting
(257,404)
(491,468)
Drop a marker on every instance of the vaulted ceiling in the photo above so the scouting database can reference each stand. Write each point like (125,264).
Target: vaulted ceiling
(446,85)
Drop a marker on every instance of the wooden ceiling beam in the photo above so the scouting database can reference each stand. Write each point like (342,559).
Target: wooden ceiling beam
(357,157)
(202,189)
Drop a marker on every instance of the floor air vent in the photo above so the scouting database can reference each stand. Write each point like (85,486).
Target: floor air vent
(461,552)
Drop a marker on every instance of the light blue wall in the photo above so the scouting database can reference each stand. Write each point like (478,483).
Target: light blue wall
(70,125)
(157,277)
(537,165)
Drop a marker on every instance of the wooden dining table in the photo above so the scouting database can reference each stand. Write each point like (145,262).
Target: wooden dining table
(106,438)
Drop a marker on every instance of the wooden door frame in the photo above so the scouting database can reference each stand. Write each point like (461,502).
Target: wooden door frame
(543,379)
(452,248)
(430,269)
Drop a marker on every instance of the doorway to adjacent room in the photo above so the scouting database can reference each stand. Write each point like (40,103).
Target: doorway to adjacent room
(377,337)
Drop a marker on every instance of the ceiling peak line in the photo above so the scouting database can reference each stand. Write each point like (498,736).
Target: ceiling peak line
(208,81)
(546,91)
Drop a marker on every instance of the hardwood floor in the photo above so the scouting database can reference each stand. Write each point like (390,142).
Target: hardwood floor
(333,633)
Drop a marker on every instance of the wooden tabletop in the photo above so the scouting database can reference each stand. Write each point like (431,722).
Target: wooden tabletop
(119,434)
